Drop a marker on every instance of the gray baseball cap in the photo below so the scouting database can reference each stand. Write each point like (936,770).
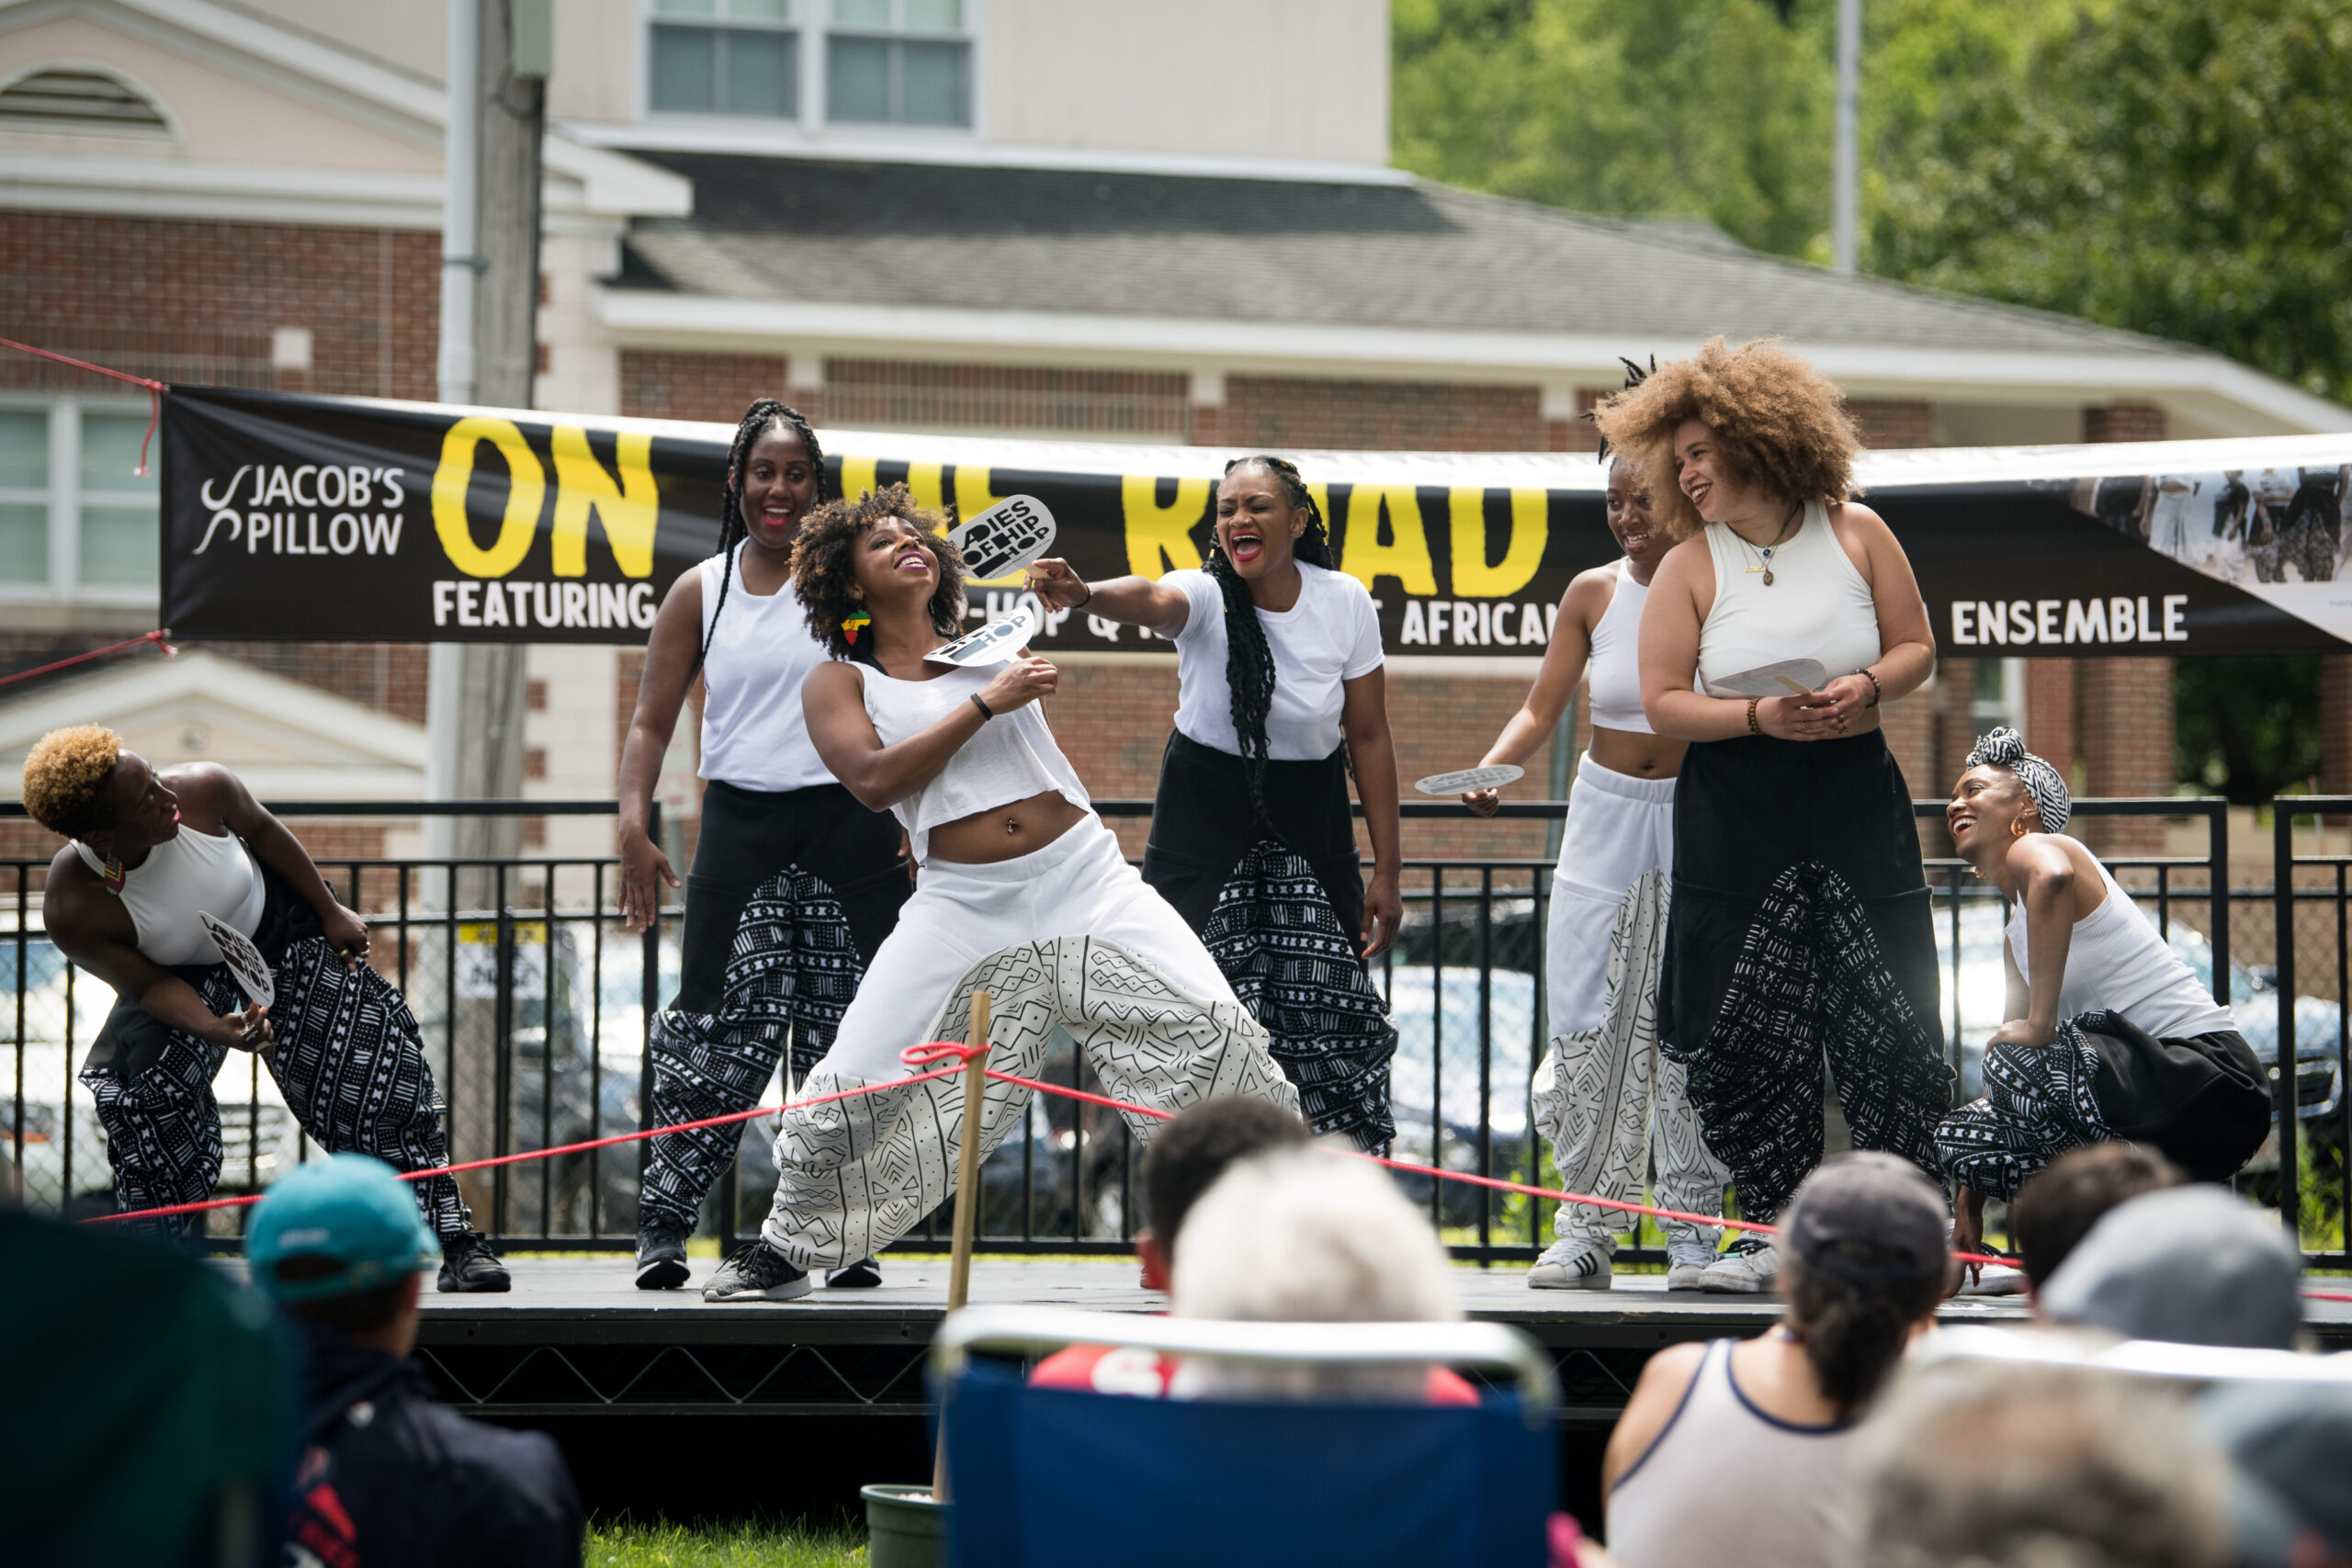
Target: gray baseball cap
(1869,1219)
(2194,1265)
(2290,1449)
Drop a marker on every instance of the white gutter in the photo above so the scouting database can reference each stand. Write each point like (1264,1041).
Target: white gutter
(650,317)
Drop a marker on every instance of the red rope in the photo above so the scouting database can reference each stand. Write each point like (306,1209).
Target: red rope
(155,636)
(154,388)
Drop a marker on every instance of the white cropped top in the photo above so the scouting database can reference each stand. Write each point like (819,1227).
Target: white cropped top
(1817,605)
(2117,963)
(1012,758)
(1613,676)
(187,872)
(754,730)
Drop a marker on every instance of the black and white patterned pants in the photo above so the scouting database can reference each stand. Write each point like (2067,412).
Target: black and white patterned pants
(2040,1101)
(790,895)
(346,1054)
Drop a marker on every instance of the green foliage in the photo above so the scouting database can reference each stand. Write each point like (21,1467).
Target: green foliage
(621,1543)
(1705,108)
(2246,728)
(2172,169)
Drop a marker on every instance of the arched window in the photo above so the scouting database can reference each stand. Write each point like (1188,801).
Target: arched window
(80,98)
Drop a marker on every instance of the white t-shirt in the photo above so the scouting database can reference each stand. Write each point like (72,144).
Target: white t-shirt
(1331,634)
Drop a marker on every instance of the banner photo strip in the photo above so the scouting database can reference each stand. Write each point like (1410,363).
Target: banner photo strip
(359,520)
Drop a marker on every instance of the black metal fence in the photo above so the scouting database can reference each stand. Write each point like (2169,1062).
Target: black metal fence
(534,1000)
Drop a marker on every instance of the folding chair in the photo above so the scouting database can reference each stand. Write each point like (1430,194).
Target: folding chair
(2141,1358)
(1044,1477)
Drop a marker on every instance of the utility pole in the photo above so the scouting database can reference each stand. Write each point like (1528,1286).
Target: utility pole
(1846,216)
(477,692)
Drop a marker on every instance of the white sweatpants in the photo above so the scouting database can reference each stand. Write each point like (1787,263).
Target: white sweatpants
(1068,935)
(1604,1081)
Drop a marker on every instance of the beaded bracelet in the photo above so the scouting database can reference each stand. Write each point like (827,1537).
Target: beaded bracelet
(1753,728)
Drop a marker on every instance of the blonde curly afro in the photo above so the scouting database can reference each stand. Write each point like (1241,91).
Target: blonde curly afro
(64,774)
(1780,425)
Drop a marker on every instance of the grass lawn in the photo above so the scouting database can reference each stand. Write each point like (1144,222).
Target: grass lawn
(623,1543)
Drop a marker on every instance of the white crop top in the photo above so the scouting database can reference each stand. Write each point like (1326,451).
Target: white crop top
(754,731)
(187,872)
(1330,635)
(2117,963)
(1818,606)
(1614,676)
(1012,758)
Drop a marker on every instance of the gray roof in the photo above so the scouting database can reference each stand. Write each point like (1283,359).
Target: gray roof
(1418,255)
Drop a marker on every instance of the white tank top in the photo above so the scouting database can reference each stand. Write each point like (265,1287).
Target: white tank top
(1817,607)
(1791,1482)
(1613,678)
(187,872)
(2117,963)
(754,732)
(1012,758)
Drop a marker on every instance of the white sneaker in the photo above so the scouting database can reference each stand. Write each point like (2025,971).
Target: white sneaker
(1995,1279)
(1573,1264)
(1686,1263)
(1742,1273)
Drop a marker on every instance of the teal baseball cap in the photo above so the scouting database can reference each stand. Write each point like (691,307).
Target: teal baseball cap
(349,1210)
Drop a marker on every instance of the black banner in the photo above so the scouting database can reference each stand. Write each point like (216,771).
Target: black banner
(325,519)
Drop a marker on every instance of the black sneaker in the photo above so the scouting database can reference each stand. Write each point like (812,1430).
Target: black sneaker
(469,1263)
(661,1256)
(755,1272)
(862,1275)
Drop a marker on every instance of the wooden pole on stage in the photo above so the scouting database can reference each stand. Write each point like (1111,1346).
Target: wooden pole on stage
(968,1198)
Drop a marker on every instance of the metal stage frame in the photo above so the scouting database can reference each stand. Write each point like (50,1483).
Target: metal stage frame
(575,1337)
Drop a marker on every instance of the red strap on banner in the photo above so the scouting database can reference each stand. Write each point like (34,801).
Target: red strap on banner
(154,388)
(155,636)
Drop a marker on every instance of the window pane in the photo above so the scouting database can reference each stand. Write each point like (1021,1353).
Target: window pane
(857,79)
(931,83)
(686,69)
(872,13)
(760,10)
(763,70)
(24,543)
(23,449)
(935,16)
(118,546)
(686,8)
(110,453)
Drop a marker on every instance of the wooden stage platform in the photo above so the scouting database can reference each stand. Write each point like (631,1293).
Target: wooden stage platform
(575,1337)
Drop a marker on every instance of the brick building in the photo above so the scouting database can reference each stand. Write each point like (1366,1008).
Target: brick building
(1017,217)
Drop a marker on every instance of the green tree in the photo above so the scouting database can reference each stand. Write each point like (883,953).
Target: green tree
(1710,109)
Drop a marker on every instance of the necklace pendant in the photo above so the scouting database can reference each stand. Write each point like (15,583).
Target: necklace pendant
(1754,569)
(1767,576)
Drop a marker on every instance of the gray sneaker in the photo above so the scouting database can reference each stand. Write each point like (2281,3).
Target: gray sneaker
(756,1272)
(1573,1264)
(1686,1263)
(1747,1269)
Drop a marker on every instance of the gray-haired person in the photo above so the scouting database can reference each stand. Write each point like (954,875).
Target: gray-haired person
(2108,1035)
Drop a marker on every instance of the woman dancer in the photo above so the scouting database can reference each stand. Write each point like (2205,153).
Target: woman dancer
(1800,919)
(151,852)
(2110,1034)
(1606,938)
(794,883)
(1023,893)
(1279,689)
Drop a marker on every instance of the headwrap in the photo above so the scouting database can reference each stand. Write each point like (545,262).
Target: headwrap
(2005,748)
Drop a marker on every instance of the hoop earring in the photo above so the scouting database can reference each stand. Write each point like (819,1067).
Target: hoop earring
(2017,830)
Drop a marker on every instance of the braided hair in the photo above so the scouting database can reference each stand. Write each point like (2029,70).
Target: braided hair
(1249,661)
(763,415)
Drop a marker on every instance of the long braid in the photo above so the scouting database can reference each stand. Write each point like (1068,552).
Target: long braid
(763,416)
(1249,661)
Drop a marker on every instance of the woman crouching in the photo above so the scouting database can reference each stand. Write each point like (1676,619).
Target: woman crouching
(2110,1034)
(1023,892)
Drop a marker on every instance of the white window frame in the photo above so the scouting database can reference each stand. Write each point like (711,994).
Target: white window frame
(66,497)
(812,23)
(651,16)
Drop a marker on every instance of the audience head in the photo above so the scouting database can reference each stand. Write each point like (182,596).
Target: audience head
(1305,1236)
(1187,1155)
(340,1241)
(1999,1465)
(2196,1265)
(2290,1445)
(2058,1206)
(1866,1264)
